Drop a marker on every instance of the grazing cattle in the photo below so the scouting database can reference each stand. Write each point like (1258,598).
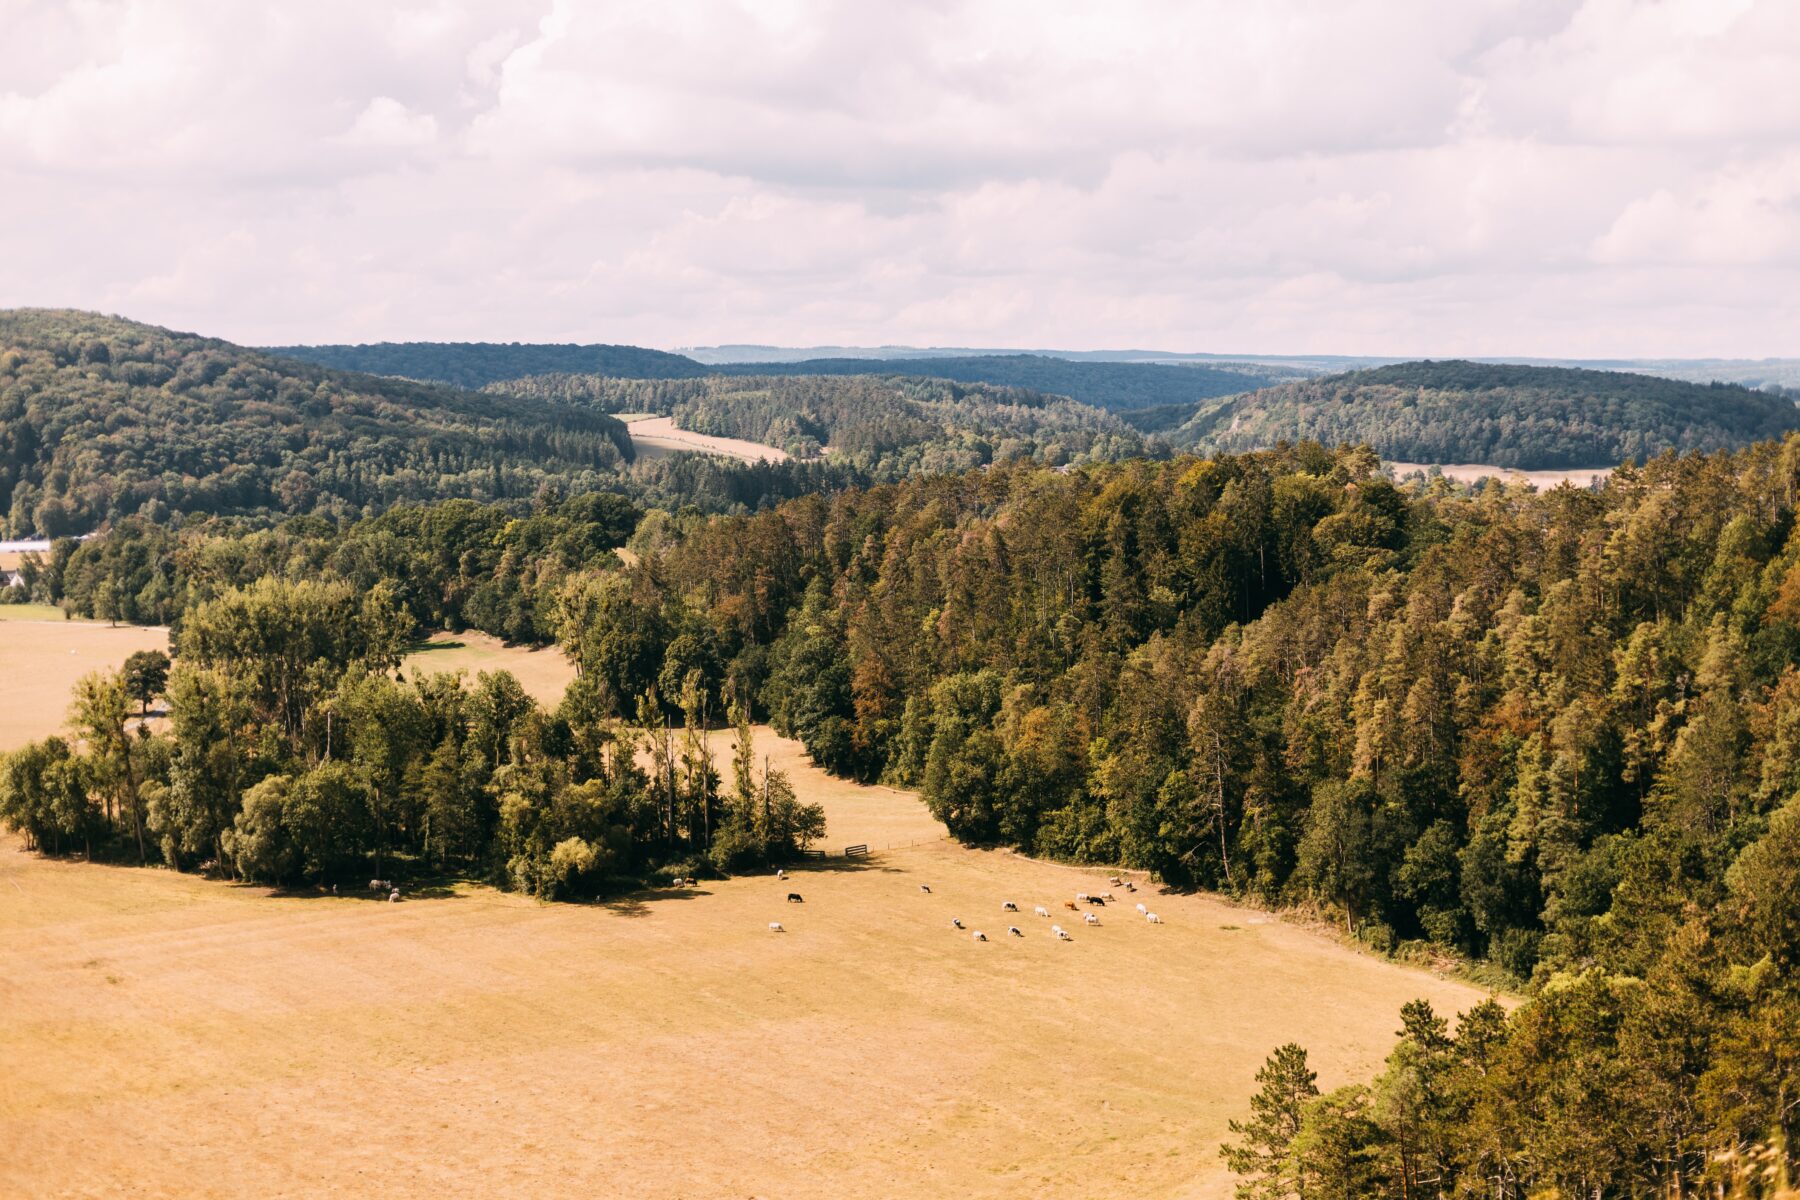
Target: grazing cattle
(979,936)
(1115,881)
(1092,919)
(394,896)
(1097,901)
(956,921)
(1008,906)
(925,889)
(775,927)
(1070,905)
(1063,935)
(1042,911)
(796,898)
(1143,907)
(1081,897)
(1057,930)
(380,885)
(1014,930)
(1130,886)
(1108,897)
(1153,918)
(781,874)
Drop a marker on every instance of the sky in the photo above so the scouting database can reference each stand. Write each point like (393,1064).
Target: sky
(1538,177)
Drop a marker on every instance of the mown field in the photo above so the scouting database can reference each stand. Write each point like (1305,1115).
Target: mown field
(169,1036)
(41,657)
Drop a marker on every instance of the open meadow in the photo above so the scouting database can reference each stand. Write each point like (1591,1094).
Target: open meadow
(41,657)
(166,1035)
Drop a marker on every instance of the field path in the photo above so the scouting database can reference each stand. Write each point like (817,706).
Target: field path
(167,1036)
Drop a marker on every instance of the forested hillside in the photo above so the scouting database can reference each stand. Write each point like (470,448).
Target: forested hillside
(1532,418)
(1113,386)
(100,418)
(474,365)
(885,427)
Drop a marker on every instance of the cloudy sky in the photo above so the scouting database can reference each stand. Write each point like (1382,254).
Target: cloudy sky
(1352,176)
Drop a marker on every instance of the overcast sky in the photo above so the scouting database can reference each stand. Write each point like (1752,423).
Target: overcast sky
(1541,177)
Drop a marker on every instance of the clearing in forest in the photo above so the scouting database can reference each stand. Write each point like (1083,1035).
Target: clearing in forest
(660,435)
(544,672)
(170,1036)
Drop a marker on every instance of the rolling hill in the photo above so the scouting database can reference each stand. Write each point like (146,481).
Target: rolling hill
(1530,418)
(102,417)
(1112,386)
(884,426)
(477,364)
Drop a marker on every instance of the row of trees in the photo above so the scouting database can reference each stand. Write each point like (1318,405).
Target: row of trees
(295,753)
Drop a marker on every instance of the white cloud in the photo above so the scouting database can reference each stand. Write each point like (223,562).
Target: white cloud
(1556,177)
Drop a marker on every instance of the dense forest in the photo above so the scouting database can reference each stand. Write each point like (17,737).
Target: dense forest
(1112,386)
(1531,418)
(474,365)
(103,419)
(884,427)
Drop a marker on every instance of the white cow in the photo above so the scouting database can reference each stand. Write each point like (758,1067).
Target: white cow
(1063,934)
(1092,919)
(1143,908)
(775,927)
(1153,918)
(1042,911)
(979,936)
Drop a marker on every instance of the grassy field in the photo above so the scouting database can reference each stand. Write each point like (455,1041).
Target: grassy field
(542,673)
(41,657)
(656,436)
(169,1036)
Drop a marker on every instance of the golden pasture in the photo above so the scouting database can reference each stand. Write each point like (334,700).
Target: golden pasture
(165,1035)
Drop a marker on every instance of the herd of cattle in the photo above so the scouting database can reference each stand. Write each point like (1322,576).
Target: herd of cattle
(1092,900)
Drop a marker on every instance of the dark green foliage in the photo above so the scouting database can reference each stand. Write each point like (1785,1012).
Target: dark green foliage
(1507,416)
(102,418)
(477,364)
(1111,386)
(883,427)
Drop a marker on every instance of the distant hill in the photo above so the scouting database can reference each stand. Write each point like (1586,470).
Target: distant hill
(885,427)
(1112,386)
(477,364)
(1530,418)
(102,418)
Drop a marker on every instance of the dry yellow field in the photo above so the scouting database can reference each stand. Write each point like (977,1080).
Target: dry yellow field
(161,1035)
(543,673)
(660,435)
(41,658)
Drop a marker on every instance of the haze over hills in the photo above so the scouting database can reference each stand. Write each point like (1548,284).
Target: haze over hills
(1531,418)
